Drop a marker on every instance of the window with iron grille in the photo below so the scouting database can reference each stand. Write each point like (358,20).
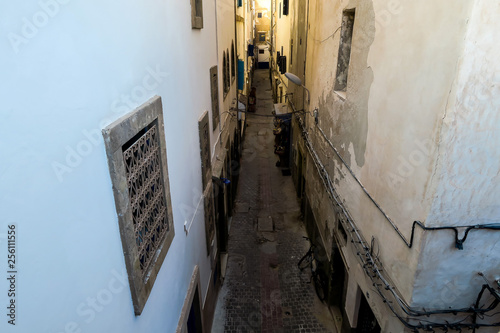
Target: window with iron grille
(136,150)
(196,14)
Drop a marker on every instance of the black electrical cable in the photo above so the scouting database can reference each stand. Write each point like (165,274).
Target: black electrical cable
(458,241)
(372,271)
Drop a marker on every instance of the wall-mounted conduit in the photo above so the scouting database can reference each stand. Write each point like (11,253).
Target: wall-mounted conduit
(458,241)
(372,266)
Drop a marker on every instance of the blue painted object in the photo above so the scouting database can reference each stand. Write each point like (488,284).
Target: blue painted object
(241,74)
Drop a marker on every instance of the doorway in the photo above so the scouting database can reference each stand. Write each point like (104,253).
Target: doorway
(194,323)
(338,281)
(367,323)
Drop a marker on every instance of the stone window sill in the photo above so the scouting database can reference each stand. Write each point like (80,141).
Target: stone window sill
(341,94)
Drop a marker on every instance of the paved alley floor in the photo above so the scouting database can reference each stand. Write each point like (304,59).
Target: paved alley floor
(263,290)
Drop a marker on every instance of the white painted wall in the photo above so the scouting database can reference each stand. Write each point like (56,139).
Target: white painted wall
(466,183)
(87,64)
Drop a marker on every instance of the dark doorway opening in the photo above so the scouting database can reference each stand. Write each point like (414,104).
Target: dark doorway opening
(194,323)
(367,323)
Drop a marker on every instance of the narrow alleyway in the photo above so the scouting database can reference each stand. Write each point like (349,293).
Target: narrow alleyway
(263,290)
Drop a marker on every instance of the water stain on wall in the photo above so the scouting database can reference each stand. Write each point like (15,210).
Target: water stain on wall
(349,118)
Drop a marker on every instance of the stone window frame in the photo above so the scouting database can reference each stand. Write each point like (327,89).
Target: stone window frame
(196,14)
(214,87)
(193,288)
(116,135)
(206,175)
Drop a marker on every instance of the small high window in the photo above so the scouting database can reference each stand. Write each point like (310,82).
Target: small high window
(259,15)
(344,55)
(196,14)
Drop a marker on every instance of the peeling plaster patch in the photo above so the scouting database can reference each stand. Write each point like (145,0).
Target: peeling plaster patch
(350,126)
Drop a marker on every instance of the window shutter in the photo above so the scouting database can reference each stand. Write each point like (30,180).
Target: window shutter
(283,65)
(250,50)
(285,7)
(241,74)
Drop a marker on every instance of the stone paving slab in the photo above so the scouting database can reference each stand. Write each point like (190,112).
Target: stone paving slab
(242,207)
(265,223)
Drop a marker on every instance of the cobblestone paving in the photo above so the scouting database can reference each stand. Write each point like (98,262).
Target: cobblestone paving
(263,290)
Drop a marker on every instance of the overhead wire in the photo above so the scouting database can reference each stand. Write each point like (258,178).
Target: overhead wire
(458,241)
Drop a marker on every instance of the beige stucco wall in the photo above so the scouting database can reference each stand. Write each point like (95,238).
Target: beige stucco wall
(409,100)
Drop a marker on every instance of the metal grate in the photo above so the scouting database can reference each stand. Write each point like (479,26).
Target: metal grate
(147,195)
